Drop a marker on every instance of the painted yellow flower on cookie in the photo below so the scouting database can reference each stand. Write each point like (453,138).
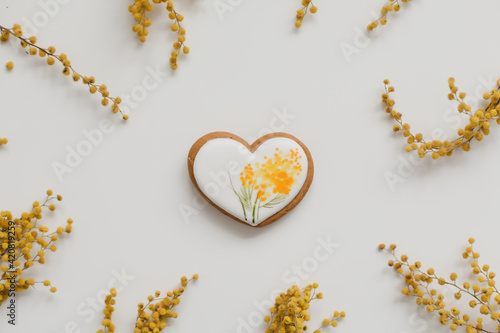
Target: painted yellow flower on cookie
(268,184)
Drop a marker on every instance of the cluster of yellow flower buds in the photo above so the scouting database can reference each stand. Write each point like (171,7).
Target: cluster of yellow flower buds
(139,10)
(290,311)
(307,6)
(108,312)
(392,6)
(23,243)
(181,34)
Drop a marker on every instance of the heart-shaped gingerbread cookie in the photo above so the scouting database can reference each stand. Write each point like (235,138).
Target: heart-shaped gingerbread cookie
(254,184)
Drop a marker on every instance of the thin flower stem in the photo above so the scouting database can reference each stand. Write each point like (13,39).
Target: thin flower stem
(68,69)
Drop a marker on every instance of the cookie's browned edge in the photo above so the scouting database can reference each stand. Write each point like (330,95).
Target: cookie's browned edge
(252,148)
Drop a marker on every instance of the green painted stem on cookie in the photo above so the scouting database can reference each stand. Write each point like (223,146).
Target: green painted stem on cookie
(258,210)
(239,197)
(254,207)
(244,210)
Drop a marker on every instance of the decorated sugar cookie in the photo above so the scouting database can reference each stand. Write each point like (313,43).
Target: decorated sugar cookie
(254,184)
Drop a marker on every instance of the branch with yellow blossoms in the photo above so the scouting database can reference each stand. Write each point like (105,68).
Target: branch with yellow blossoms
(139,10)
(152,316)
(391,6)
(290,311)
(307,6)
(480,296)
(3,141)
(30,43)
(24,242)
(478,126)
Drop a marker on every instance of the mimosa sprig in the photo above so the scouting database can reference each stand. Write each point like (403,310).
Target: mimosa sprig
(478,126)
(30,43)
(481,297)
(152,316)
(307,6)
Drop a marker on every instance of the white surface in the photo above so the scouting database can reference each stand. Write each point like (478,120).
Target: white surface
(125,196)
(220,159)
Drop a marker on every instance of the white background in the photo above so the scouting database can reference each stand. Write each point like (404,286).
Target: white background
(126,196)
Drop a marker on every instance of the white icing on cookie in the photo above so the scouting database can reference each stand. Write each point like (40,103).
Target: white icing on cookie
(251,186)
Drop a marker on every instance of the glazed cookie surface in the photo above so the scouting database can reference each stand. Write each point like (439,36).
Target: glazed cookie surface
(254,184)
